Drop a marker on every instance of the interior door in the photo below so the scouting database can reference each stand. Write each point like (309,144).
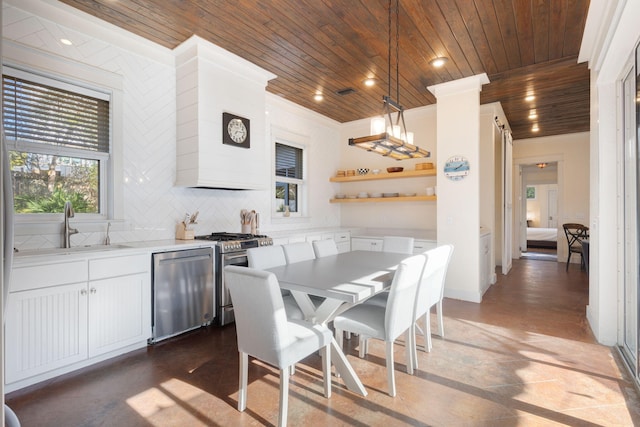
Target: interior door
(507,201)
(552,208)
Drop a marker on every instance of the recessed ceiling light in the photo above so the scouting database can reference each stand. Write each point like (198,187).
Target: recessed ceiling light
(439,61)
(533,114)
(66,42)
(369,82)
(529,98)
(318,97)
(535,128)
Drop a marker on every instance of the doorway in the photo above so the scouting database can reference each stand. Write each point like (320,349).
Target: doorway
(540,211)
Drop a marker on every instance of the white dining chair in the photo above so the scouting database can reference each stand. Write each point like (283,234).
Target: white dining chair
(389,322)
(403,245)
(299,251)
(430,293)
(264,257)
(325,247)
(264,332)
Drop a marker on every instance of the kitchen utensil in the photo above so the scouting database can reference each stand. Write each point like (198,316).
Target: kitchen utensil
(395,169)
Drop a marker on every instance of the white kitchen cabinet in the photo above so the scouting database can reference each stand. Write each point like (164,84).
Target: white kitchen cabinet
(46,329)
(366,244)
(420,246)
(66,315)
(119,303)
(343,241)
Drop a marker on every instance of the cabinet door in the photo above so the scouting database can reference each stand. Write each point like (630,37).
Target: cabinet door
(45,329)
(360,244)
(119,312)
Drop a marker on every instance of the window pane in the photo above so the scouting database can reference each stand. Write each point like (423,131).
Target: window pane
(42,183)
(288,161)
(286,195)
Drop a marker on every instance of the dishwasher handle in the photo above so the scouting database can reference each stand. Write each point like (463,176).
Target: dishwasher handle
(184,259)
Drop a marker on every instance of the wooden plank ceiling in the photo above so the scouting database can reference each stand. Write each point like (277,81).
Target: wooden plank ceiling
(325,46)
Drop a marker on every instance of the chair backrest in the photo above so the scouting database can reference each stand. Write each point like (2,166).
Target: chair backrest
(431,288)
(324,247)
(575,233)
(261,321)
(402,295)
(402,245)
(296,252)
(265,257)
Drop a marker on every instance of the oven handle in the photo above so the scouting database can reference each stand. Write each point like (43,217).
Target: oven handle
(232,257)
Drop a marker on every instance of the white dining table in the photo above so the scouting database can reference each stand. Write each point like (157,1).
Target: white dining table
(344,280)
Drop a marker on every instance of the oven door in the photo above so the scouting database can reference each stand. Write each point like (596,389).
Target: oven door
(225,308)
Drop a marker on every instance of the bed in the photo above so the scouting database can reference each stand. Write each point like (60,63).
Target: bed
(538,237)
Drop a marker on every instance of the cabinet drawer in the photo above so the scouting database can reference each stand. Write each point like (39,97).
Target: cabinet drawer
(420,246)
(42,276)
(342,237)
(119,266)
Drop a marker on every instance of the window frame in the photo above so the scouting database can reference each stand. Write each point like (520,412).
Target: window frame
(86,81)
(299,142)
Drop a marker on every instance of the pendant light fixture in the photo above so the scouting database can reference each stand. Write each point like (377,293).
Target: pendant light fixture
(388,137)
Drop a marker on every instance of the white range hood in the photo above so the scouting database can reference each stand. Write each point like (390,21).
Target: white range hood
(212,81)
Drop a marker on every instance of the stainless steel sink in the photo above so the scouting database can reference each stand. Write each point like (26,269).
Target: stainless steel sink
(72,250)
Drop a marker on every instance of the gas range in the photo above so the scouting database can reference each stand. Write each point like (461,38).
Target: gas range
(234,242)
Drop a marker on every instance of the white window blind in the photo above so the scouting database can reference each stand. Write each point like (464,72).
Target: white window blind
(35,112)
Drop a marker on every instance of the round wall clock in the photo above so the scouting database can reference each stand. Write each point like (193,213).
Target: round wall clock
(456,168)
(235,130)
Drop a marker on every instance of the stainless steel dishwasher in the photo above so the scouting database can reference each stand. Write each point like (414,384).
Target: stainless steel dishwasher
(182,287)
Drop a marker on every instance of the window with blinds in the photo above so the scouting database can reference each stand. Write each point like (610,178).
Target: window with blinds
(59,143)
(289,178)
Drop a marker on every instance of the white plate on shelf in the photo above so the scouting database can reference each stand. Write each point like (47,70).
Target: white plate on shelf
(376,195)
(390,194)
(408,194)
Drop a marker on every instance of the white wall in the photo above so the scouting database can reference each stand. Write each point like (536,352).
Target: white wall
(152,205)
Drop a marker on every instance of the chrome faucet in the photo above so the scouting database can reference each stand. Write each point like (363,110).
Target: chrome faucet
(68,231)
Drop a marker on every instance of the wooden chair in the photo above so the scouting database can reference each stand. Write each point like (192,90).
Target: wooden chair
(575,234)
(264,332)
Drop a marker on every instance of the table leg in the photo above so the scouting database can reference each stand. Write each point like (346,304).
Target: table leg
(323,315)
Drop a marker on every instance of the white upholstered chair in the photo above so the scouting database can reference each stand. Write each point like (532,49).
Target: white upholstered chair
(264,332)
(431,292)
(300,251)
(389,322)
(325,247)
(264,257)
(403,245)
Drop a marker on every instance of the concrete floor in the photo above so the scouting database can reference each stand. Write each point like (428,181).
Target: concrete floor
(525,356)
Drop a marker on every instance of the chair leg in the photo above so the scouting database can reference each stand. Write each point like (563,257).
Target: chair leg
(362,346)
(326,369)
(284,397)
(440,321)
(568,259)
(414,349)
(391,380)
(244,372)
(427,331)
(409,350)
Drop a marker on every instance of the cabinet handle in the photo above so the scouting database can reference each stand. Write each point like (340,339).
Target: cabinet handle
(83,292)
(93,290)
